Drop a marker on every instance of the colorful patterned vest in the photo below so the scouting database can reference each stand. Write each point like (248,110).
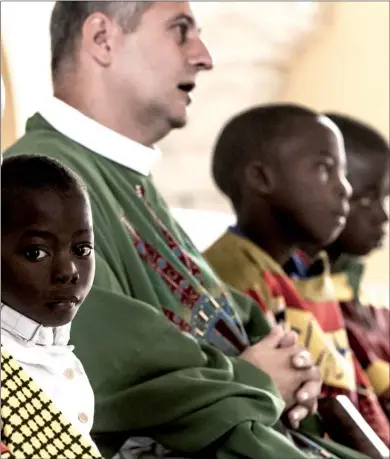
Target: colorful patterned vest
(312,286)
(367,319)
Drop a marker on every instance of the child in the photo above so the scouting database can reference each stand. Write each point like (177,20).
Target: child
(47,270)
(282,167)
(368,324)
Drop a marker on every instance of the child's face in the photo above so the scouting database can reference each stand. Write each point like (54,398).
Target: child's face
(369,176)
(312,192)
(47,259)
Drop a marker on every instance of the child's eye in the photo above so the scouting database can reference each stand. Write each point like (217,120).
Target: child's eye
(324,171)
(365,201)
(35,254)
(83,250)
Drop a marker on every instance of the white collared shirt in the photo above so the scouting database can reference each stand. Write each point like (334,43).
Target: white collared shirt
(44,354)
(98,138)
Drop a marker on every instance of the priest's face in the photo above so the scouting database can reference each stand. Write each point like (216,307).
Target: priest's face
(154,68)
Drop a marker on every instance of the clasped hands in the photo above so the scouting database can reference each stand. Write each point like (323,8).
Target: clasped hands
(291,368)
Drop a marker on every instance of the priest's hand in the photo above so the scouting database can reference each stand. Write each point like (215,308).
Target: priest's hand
(307,395)
(291,368)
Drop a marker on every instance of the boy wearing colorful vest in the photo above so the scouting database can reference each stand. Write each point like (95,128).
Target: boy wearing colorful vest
(366,318)
(283,167)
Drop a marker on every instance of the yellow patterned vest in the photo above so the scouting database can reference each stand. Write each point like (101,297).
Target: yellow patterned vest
(31,425)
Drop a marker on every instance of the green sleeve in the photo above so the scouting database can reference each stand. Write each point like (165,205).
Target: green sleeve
(255,323)
(149,376)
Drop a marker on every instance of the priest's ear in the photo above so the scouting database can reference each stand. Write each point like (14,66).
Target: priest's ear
(259,178)
(100,33)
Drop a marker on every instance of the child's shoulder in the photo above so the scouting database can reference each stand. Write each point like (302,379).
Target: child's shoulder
(239,262)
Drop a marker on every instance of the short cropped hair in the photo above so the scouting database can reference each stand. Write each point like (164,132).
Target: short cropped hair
(260,132)
(356,133)
(67,20)
(29,173)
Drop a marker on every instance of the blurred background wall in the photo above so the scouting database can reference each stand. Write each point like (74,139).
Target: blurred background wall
(327,55)
(347,68)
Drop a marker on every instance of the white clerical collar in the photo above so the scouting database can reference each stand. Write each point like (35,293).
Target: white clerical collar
(98,138)
(32,332)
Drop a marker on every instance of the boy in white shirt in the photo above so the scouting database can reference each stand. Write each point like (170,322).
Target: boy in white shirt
(47,270)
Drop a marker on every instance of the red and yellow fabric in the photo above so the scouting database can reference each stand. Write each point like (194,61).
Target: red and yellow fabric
(4,451)
(314,288)
(367,324)
(310,309)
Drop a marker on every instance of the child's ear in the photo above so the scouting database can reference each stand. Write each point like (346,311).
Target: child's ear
(259,178)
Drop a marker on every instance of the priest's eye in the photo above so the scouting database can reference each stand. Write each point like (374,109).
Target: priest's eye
(83,250)
(182,30)
(35,254)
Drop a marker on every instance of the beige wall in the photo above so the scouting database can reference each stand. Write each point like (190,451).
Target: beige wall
(347,70)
